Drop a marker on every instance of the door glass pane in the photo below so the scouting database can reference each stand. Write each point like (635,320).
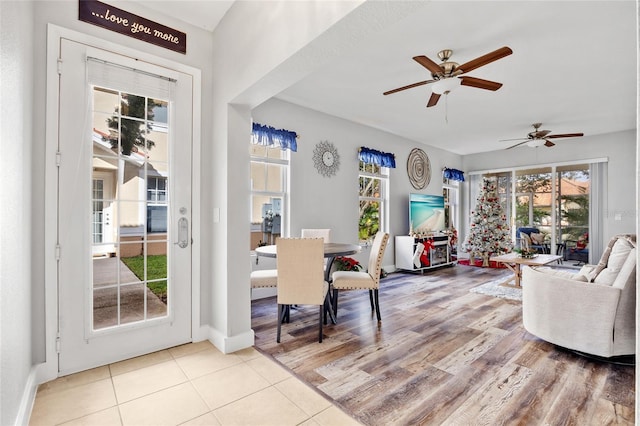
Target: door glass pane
(573,190)
(536,185)
(130,196)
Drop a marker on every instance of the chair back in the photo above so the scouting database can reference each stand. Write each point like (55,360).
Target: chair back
(317,233)
(300,271)
(375,257)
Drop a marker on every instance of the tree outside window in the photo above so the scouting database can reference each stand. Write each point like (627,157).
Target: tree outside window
(373,181)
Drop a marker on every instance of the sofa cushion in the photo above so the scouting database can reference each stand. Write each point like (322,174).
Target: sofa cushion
(562,273)
(617,256)
(627,272)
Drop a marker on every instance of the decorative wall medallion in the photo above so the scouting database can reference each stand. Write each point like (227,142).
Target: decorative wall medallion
(418,168)
(326,158)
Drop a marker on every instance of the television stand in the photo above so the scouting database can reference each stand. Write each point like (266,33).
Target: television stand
(437,250)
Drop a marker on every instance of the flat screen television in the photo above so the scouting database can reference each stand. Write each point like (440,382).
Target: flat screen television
(426,213)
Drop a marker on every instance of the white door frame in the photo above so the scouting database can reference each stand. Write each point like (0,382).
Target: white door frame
(49,369)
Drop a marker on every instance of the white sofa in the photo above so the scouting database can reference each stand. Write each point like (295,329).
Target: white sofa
(592,311)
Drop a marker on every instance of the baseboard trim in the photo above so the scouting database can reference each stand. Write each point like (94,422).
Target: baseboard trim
(229,344)
(28,397)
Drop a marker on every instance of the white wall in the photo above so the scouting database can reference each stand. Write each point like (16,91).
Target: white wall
(619,148)
(318,201)
(16,236)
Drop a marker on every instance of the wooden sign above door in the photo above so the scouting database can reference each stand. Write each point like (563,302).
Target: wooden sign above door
(123,22)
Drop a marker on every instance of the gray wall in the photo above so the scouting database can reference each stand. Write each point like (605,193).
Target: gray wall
(318,201)
(16,221)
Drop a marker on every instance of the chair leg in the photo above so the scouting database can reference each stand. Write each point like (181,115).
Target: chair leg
(371,300)
(320,323)
(335,302)
(375,293)
(280,313)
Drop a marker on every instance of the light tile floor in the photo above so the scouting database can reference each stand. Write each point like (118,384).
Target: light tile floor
(193,384)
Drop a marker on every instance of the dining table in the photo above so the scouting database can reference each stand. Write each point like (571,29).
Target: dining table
(331,251)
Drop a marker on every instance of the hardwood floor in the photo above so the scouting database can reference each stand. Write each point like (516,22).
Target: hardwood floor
(444,355)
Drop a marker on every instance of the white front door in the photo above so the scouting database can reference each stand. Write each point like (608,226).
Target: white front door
(124,207)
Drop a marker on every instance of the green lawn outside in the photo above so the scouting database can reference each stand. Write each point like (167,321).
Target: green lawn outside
(156,269)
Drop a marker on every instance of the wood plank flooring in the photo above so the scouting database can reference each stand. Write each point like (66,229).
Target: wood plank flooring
(444,355)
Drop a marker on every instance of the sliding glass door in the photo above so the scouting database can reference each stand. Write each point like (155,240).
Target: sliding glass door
(556,199)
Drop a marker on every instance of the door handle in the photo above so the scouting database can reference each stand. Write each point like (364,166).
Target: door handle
(183,232)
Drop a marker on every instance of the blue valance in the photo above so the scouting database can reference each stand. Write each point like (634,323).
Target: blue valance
(453,174)
(270,136)
(372,156)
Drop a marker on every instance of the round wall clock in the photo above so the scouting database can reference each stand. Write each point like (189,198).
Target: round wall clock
(326,158)
(418,168)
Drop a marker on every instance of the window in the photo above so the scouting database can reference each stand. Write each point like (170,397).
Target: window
(450,193)
(374,181)
(156,204)
(269,193)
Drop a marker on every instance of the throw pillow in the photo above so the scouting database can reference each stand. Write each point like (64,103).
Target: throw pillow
(525,241)
(603,260)
(617,257)
(537,238)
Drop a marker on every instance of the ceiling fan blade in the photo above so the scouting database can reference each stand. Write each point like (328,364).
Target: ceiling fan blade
(428,64)
(485,59)
(548,143)
(566,135)
(411,86)
(480,83)
(433,100)
(518,144)
(515,139)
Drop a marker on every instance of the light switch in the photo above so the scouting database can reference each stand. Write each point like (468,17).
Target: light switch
(617,216)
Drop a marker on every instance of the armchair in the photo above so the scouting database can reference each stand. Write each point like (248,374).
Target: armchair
(592,311)
(524,238)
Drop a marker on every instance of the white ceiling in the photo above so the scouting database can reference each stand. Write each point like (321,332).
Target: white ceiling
(573,68)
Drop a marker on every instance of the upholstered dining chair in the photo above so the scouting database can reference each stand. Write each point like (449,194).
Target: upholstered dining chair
(265,278)
(357,280)
(325,234)
(301,277)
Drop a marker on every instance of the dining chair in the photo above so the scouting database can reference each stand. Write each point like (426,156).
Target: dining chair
(357,280)
(325,234)
(265,278)
(317,233)
(301,277)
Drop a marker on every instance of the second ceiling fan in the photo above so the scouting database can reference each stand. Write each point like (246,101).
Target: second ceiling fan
(448,75)
(540,137)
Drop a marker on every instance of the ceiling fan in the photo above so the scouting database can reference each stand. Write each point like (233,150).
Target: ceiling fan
(448,75)
(540,137)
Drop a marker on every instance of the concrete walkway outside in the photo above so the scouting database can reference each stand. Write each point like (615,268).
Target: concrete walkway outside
(132,293)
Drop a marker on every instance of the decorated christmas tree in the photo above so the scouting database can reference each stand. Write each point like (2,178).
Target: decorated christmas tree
(489,233)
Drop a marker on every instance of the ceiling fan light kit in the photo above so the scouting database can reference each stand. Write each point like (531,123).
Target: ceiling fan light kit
(535,143)
(445,86)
